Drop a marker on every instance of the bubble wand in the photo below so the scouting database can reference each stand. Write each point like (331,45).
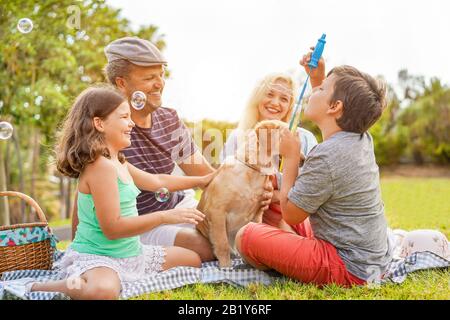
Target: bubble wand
(313,63)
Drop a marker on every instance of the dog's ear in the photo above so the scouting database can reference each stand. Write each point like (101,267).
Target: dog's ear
(269,125)
(247,147)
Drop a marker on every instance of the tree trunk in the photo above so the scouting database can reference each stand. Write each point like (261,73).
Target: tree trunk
(35,164)
(7,160)
(4,207)
(15,138)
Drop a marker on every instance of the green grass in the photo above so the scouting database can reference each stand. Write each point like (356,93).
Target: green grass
(417,203)
(410,203)
(62,245)
(419,285)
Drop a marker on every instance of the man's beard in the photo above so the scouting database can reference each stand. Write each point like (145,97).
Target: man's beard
(153,107)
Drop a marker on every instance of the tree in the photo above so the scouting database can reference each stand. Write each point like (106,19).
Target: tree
(427,121)
(389,138)
(42,71)
(412,85)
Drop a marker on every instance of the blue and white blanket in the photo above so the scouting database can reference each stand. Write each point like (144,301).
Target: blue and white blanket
(240,274)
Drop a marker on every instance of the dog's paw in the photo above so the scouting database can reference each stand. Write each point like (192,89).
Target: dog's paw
(225,263)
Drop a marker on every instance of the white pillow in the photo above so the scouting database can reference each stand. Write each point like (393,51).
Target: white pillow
(424,240)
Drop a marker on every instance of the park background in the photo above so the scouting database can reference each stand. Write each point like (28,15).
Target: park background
(217,51)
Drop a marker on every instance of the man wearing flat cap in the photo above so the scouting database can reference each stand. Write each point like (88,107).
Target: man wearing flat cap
(159,141)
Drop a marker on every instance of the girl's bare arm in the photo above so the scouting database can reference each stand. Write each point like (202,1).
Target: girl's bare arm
(152,182)
(101,177)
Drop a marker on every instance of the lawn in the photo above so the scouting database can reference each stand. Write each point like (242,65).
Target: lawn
(410,203)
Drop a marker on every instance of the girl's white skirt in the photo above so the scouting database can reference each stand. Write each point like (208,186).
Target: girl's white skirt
(73,264)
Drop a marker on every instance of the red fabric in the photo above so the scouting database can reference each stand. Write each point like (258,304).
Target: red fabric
(299,256)
(275,207)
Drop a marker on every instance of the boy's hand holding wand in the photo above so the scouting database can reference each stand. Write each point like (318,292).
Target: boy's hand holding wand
(315,68)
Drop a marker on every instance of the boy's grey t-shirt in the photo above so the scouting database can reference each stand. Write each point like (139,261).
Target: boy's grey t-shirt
(339,187)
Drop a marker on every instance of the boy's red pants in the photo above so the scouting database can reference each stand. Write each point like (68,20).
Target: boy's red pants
(297,255)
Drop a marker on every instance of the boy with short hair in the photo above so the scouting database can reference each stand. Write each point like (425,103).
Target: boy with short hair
(334,205)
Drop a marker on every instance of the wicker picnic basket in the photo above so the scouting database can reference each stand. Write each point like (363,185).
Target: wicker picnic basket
(38,254)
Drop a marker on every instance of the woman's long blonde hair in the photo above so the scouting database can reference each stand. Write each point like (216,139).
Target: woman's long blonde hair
(251,113)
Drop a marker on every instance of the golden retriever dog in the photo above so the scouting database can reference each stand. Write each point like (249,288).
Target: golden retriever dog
(232,198)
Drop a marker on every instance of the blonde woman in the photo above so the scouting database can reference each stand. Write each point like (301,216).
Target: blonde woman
(272,99)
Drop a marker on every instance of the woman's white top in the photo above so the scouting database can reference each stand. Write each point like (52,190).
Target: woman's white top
(308,141)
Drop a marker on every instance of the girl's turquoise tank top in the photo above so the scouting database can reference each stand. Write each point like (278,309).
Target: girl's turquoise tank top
(89,237)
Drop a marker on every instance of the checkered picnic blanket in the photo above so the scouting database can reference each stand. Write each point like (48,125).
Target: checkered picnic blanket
(240,274)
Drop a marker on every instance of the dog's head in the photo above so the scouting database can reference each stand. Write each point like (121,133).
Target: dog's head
(264,141)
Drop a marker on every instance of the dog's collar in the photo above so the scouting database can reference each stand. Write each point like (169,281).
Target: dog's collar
(262,172)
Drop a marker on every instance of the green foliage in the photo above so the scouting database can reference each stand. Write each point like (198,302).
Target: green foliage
(427,121)
(209,133)
(41,73)
(417,126)
(389,138)
(56,60)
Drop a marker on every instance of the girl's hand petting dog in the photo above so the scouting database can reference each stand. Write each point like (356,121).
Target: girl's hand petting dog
(205,180)
(182,215)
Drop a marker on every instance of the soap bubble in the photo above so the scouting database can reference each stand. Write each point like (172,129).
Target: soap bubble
(70,40)
(38,100)
(138,100)
(25,25)
(162,195)
(6,130)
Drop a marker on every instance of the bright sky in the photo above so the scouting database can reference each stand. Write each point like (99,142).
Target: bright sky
(218,50)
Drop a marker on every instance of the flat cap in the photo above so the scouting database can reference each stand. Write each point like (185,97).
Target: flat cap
(136,50)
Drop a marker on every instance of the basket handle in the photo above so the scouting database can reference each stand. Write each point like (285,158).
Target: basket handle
(28,200)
